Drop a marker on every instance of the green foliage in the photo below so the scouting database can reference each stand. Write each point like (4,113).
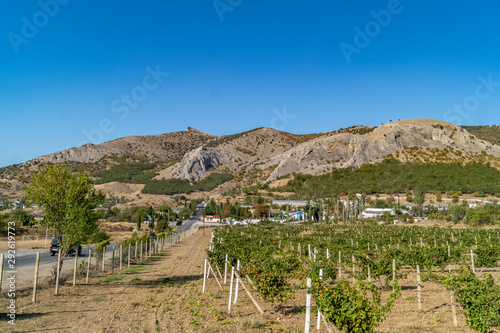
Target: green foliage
(351,309)
(4,224)
(126,173)
(68,202)
(484,215)
(396,176)
(269,253)
(273,284)
(212,181)
(457,212)
(480,299)
(175,186)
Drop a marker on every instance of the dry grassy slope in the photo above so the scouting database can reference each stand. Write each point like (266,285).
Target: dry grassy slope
(154,147)
(489,133)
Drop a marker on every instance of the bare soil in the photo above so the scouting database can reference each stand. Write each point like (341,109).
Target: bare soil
(164,294)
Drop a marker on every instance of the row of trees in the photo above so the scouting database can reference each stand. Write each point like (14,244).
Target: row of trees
(235,211)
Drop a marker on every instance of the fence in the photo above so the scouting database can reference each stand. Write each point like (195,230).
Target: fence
(110,259)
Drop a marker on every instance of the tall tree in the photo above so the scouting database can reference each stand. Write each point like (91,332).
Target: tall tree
(419,198)
(68,202)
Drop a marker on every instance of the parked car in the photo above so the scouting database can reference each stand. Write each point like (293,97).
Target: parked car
(56,244)
(179,223)
(153,235)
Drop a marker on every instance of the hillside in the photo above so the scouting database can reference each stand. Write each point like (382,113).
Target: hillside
(190,161)
(325,154)
(155,147)
(488,133)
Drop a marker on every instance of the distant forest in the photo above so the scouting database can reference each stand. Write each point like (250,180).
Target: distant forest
(393,176)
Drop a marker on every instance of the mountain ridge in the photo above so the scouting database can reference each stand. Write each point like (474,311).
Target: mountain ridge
(265,154)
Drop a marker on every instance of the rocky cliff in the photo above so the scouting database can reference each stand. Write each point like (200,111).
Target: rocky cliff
(350,150)
(197,162)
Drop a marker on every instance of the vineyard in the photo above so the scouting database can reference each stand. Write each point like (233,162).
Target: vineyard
(355,270)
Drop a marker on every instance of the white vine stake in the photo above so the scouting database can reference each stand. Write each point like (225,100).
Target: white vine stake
(393,273)
(340,270)
(453,311)
(237,284)
(472,261)
(308,308)
(230,291)
(204,275)
(353,271)
(225,270)
(418,289)
(449,255)
(318,324)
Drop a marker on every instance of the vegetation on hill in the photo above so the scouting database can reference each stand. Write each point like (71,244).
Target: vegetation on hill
(394,176)
(361,130)
(174,186)
(228,138)
(126,173)
(489,133)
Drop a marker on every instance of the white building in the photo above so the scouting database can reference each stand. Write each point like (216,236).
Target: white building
(376,212)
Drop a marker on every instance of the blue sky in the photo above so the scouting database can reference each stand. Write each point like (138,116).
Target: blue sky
(74,71)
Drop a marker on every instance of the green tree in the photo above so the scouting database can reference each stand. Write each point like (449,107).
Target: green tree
(457,212)
(185,213)
(68,202)
(211,208)
(419,198)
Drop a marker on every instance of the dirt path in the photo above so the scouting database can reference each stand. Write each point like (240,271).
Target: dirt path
(163,294)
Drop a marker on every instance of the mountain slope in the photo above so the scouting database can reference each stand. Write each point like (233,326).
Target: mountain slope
(489,133)
(155,147)
(351,150)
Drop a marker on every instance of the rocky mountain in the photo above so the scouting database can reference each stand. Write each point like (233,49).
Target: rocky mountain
(155,147)
(266,154)
(197,162)
(324,154)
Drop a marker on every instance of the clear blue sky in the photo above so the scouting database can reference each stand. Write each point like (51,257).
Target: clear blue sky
(79,71)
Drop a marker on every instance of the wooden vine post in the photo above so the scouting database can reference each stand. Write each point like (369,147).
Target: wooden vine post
(74,268)
(453,310)
(35,280)
(88,266)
